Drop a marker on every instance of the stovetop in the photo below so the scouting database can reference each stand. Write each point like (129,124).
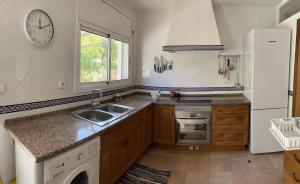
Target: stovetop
(195,99)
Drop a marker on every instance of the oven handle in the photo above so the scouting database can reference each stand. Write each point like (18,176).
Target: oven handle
(193,121)
(195,118)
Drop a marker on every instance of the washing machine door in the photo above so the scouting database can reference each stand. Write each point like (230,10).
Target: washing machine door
(83,174)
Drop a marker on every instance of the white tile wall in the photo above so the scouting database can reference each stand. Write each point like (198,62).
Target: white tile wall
(195,69)
(32,73)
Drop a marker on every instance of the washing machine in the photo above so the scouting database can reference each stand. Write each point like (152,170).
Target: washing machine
(77,166)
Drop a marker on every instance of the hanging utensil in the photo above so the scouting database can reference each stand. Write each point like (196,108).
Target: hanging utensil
(171,65)
(154,65)
(220,71)
(228,70)
(238,61)
(167,65)
(224,67)
(231,66)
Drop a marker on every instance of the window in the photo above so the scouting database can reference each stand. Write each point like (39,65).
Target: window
(119,60)
(93,57)
(103,59)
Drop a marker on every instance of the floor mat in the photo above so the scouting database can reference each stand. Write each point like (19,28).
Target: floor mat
(141,174)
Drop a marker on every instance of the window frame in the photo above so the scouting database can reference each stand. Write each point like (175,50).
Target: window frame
(89,86)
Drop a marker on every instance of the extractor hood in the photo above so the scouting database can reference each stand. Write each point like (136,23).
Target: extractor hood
(193,28)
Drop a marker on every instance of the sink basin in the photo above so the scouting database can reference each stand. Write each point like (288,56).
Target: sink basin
(95,116)
(103,114)
(112,108)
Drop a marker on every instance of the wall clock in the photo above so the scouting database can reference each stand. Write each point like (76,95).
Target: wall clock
(39,27)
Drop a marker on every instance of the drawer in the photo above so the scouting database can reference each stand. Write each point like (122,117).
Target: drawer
(230,108)
(292,166)
(230,137)
(230,121)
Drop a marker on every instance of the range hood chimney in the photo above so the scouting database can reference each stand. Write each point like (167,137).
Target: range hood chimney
(194,27)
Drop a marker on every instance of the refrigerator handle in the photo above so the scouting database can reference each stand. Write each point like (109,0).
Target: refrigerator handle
(291,93)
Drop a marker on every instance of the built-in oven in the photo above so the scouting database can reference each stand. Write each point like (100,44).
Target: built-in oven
(193,124)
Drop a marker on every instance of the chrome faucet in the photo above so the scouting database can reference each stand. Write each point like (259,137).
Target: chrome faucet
(93,97)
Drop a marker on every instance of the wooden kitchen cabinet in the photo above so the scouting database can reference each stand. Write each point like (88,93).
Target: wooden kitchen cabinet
(123,144)
(145,118)
(111,156)
(230,125)
(131,141)
(164,130)
(291,167)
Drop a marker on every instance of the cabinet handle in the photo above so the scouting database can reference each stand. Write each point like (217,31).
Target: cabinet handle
(295,178)
(296,158)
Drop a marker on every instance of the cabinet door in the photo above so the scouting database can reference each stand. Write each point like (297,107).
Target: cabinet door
(111,160)
(230,137)
(230,121)
(131,141)
(164,125)
(145,118)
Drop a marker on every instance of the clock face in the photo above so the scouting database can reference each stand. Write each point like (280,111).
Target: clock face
(39,27)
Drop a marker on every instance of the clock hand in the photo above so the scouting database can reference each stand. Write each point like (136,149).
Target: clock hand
(40,23)
(42,27)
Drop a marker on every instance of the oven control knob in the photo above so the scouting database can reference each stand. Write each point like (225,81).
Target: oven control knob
(80,156)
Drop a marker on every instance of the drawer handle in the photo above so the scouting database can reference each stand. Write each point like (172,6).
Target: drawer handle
(295,178)
(296,158)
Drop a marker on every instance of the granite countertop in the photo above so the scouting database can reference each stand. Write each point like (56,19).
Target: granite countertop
(216,100)
(47,135)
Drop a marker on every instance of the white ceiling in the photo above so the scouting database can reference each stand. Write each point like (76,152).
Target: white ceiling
(142,5)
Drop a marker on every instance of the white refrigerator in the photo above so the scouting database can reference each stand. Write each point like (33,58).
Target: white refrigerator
(266,80)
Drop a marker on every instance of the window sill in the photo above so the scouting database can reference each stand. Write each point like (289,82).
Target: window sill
(88,87)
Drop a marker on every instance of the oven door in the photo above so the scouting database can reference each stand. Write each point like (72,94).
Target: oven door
(193,131)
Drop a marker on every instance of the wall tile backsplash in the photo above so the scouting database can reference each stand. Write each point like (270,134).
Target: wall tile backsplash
(195,69)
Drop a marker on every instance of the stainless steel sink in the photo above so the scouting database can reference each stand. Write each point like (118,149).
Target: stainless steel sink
(102,114)
(96,116)
(113,108)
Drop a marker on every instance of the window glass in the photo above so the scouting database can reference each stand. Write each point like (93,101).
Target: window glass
(119,60)
(93,57)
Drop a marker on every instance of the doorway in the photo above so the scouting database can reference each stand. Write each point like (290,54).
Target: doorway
(296,95)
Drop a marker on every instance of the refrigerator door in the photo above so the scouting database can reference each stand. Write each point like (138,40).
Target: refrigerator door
(270,69)
(261,139)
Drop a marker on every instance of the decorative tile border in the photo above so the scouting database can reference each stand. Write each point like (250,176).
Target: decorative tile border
(68,100)
(55,102)
(177,48)
(182,89)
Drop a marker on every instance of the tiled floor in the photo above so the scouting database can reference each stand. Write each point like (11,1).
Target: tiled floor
(217,167)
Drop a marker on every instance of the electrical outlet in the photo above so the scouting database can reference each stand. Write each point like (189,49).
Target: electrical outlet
(191,148)
(61,84)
